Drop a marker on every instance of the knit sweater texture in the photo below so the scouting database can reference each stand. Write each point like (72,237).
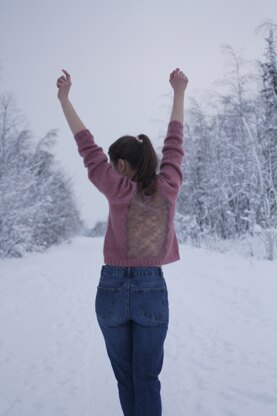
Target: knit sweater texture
(140,229)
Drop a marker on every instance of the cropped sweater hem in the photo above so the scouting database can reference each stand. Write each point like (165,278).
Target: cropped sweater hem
(141,262)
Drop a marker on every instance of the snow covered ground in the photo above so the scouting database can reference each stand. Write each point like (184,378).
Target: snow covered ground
(220,351)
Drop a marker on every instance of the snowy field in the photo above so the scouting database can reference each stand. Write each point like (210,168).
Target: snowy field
(220,351)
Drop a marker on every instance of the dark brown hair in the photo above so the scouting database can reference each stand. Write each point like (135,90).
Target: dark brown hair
(142,158)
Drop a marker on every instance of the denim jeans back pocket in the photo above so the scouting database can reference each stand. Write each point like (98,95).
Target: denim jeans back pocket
(105,301)
(153,303)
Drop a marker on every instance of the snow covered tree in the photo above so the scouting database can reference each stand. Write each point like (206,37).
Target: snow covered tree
(37,205)
(216,168)
(267,133)
(230,168)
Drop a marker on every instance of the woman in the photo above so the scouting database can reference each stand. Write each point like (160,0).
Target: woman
(132,299)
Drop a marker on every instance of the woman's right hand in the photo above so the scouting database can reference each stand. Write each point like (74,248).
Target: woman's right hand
(64,84)
(178,80)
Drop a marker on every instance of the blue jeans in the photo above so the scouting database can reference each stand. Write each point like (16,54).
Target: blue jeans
(132,311)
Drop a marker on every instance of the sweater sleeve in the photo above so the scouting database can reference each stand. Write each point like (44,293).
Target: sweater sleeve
(172,155)
(100,171)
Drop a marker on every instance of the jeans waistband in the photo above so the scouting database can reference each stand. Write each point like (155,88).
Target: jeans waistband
(135,271)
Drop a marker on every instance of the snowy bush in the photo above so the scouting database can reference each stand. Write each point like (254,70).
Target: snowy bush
(187,229)
(98,230)
(269,237)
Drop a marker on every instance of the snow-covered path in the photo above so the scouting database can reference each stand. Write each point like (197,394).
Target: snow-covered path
(220,350)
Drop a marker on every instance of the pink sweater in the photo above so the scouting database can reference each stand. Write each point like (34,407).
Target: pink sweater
(140,230)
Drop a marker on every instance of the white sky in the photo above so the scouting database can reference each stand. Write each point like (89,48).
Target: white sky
(119,54)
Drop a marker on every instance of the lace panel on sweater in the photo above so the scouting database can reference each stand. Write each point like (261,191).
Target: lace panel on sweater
(146,226)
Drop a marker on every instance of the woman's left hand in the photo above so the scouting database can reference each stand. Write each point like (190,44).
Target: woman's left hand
(64,84)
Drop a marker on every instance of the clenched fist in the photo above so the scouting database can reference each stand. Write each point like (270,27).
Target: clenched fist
(178,80)
(64,84)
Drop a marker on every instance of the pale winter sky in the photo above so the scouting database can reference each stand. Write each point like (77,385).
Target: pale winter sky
(119,54)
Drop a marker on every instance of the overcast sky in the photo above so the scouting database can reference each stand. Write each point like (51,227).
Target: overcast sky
(119,54)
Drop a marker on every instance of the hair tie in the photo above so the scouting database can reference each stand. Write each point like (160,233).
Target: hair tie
(138,139)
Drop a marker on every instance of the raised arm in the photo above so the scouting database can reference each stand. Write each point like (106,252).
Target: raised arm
(100,171)
(179,83)
(173,152)
(74,122)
